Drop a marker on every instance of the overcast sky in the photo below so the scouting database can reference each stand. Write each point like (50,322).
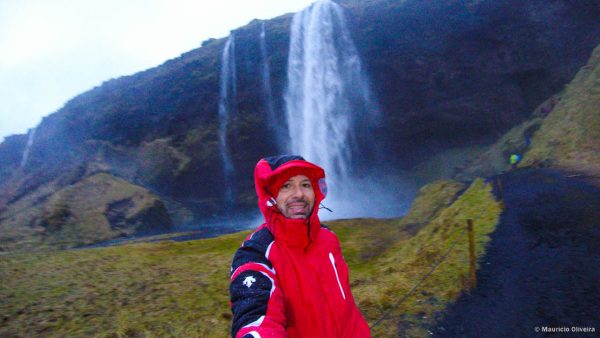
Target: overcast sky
(52,50)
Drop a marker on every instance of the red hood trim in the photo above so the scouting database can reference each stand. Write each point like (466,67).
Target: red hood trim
(267,183)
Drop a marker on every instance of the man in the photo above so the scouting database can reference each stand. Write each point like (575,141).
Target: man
(289,278)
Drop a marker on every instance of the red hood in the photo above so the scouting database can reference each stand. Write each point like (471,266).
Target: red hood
(269,175)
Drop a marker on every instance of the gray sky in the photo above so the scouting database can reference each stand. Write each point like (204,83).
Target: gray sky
(52,50)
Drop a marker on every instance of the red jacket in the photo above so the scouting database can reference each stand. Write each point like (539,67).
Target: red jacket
(289,277)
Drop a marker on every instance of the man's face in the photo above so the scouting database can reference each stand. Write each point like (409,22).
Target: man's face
(296,197)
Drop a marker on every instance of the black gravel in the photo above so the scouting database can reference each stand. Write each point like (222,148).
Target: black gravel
(541,270)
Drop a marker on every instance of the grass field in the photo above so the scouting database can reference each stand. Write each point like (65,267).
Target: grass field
(180,289)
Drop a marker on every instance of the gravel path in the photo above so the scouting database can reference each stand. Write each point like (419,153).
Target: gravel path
(542,266)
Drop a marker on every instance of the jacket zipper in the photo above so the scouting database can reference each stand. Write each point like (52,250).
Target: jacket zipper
(332,260)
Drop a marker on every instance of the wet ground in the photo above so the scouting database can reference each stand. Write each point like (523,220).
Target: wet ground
(542,266)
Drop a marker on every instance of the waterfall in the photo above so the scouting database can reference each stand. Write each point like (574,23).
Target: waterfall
(30,137)
(274,123)
(327,96)
(227,107)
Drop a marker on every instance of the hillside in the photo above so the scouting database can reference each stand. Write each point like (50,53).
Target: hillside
(569,137)
(445,74)
(562,133)
(181,288)
(97,208)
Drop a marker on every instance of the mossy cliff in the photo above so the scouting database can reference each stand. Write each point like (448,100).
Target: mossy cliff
(445,73)
(99,207)
(569,137)
(563,133)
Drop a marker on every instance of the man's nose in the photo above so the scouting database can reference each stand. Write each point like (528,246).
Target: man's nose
(298,192)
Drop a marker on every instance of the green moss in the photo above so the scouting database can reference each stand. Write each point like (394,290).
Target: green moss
(568,137)
(431,200)
(82,212)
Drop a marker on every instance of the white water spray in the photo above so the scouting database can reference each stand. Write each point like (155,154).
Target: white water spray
(227,107)
(327,99)
(31,136)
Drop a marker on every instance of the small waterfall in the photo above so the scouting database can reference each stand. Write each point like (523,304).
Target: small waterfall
(275,123)
(327,97)
(227,107)
(30,138)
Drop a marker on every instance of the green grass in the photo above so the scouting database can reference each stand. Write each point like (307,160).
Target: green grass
(163,289)
(432,199)
(569,137)
(180,289)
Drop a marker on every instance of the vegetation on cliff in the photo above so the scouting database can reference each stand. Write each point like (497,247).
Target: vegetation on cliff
(446,74)
(97,208)
(569,137)
(563,133)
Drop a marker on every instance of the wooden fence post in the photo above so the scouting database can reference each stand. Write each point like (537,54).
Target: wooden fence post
(472,258)
(500,190)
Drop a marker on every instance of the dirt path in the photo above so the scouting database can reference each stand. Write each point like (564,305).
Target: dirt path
(542,266)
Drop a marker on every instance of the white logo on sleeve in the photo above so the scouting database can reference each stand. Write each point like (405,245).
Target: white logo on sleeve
(249,281)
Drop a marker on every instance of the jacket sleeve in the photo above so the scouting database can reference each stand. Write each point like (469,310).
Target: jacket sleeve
(256,299)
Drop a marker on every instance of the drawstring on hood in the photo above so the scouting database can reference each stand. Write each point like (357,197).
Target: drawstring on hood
(269,175)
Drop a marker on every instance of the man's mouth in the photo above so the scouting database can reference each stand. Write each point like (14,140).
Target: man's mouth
(297,207)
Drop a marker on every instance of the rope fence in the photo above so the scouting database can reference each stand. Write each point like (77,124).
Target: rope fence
(454,241)
(386,313)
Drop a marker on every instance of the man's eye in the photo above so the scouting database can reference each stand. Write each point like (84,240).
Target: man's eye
(307,185)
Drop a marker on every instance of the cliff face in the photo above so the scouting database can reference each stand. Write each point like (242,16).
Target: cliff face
(445,73)
(450,72)
(564,133)
(569,136)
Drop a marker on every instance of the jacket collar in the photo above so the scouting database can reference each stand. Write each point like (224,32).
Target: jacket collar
(294,232)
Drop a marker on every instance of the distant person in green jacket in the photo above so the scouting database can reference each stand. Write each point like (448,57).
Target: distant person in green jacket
(514,160)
